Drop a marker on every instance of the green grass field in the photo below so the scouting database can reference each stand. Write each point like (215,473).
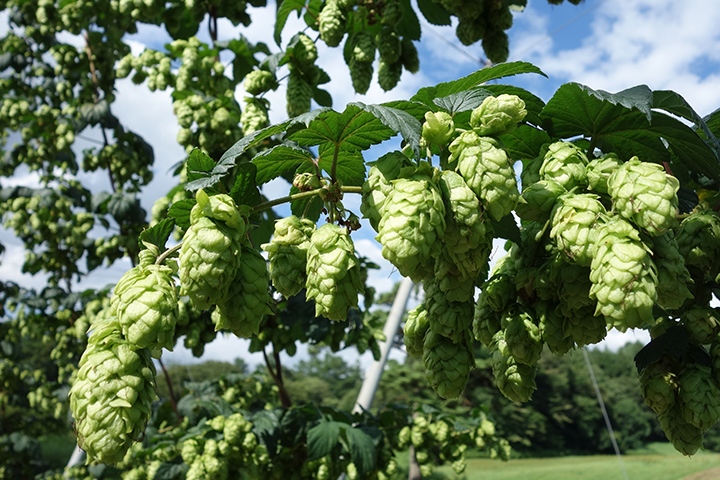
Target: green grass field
(658,461)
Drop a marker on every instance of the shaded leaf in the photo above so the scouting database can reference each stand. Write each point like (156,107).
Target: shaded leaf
(322,438)
(350,168)
(158,234)
(171,471)
(416,109)
(125,208)
(322,97)
(675,341)
(463,101)
(245,190)
(409,25)
(507,228)
(362,450)
(180,212)
(525,142)
(286,7)
(199,165)
(434,12)
(399,121)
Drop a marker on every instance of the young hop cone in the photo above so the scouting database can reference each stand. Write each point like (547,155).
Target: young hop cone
(447,364)
(248,299)
(331,21)
(565,163)
(462,208)
(699,395)
(210,250)
(498,116)
(699,241)
(333,272)
(555,329)
(599,171)
(624,276)
(412,224)
(538,200)
(488,171)
(486,321)
(112,395)
(644,194)
(573,226)
(673,275)
(378,186)
(287,253)
(438,128)
(416,326)
(522,336)
(659,386)
(145,302)
(446,317)
(514,380)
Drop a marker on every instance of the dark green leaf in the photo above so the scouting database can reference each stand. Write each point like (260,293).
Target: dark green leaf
(674,103)
(362,450)
(687,200)
(98,203)
(713,122)
(199,165)
(286,7)
(94,113)
(322,438)
(171,471)
(245,190)
(463,101)
(180,212)
(264,222)
(350,168)
(434,12)
(158,234)
(271,62)
(675,341)
(399,121)
(428,94)
(125,208)
(409,25)
(322,97)
(274,162)
(416,109)
(507,228)
(525,142)
(265,426)
(183,24)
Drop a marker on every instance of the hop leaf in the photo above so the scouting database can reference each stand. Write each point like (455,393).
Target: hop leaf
(565,163)
(333,272)
(112,394)
(644,194)
(447,364)
(498,115)
(414,330)
(287,253)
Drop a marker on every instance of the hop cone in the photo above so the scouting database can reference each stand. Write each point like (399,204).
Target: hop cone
(438,128)
(567,283)
(585,328)
(361,75)
(659,386)
(703,324)
(363,48)
(522,336)
(305,51)
(412,224)
(673,275)
(685,437)
(331,21)
(446,317)
(538,200)
(145,302)
(463,208)
(209,254)
(287,253)
(388,45)
(298,95)
(573,226)
(112,394)
(486,321)
(409,56)
(496,45)
(623,275)
(447,364)
(259,81)
(500,291)
(599,171)
(248,297)
(566,164)
(555,330)
(414,330)
(449,280)
(644,194)
(389,74)
(470,30)
(699,241)
(514,380)
(699,395)
(498,115)
(333,272)
(254,116)
(471,261)
(487,171)
(378,184)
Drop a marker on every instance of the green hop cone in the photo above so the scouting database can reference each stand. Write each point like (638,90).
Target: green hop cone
(287,253)
(496,45)
(416,326)
(565,163)
(361,75)
(538,200)
(145,302)
(463,208)
(514,380)
(599,171)
(304,51)
(470,30)
(209,254)
(673,275)
(699,395)
(685,437)
(447,364)
(412,224)
(254,116)
(331,21)
(438,128)
(555,329)
(248,299)
(498,116)
(389,74)
(699,241)
(363,48)
(644,194)
(378,186)
(487,171)
(112,395)
(659,386)
(624,276)
(333,272)
(486,321)
(298,94)
(471,260)
(449,280)
(522,335)
(702,323)
(446,317)
(409,56)
(500,291)
(585,328)
(258,82)
(574,219)
(573,286)
(388,45)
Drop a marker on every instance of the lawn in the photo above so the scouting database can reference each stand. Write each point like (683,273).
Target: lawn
(655,462)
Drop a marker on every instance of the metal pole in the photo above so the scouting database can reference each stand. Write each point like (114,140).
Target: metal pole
(77,458)
(374,373)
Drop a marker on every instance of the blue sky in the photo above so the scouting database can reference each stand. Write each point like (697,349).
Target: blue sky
(605,44)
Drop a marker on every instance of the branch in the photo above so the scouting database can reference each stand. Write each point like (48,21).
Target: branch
(285,400)
(170,389)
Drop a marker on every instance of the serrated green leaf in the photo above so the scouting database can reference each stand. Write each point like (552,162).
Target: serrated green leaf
(434,12)
(322,438)
(399,121)
(409,25)
(416,109)
(674,103)
(274,162)
(362,450)
(675,341)
(286,7)
(463,101)
(180,212)
(507,228)
(310,207)
(426,95)
(125,208)
(245,189)
(350,167)
(158,234)
(524,142)
(713,122)
(265,426)
(170,471)
(199,165)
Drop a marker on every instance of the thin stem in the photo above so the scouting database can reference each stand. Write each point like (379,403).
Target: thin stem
(281,200)
(163,256)
(591,148)
(170,389)
(333,169)
(285,400)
